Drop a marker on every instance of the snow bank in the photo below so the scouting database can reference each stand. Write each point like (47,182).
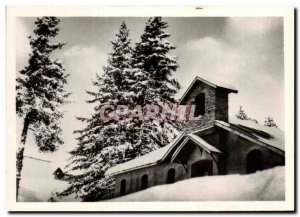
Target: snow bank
(264,185)
(38,183)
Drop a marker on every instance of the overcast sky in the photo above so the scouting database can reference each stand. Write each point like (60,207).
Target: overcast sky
(244,52)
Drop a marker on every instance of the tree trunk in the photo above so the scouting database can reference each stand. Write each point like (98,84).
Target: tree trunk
(20,154)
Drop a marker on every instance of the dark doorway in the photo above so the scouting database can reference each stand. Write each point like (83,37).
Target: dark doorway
(144,182)
(201,168)
(123,187)
(171,176)
(254,161)
(200,104)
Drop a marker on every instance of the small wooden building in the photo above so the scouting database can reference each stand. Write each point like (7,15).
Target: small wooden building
(213,145)
(58,174)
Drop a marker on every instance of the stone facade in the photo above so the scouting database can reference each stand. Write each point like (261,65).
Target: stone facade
(216,105)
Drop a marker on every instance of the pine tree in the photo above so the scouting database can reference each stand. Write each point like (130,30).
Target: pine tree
(154,82)
(151,55)
(241,114)
(269,122)
(104,143)
(41,92)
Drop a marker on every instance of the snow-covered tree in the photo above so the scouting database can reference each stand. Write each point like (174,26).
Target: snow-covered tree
(41,92)
(241,114)
(269,122)
(152,56)
(154,82)
(104,143)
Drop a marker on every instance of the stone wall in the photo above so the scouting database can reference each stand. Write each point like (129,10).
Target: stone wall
(210,105)
(216,105)
(157,175)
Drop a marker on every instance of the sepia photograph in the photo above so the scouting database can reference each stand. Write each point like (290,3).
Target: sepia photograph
(189,107)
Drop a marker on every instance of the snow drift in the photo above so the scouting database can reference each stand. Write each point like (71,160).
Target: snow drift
(263,185)
(38,183)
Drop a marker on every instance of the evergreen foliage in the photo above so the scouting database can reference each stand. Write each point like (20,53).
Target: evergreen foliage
(269,122)
(134,78)
(41,91)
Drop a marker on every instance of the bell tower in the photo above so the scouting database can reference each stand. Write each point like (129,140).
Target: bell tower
(210,100)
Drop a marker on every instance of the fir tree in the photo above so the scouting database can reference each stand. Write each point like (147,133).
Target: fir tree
(151,55)
(41,92)
(241,114)
(154,82)
(269,122)
(104,143)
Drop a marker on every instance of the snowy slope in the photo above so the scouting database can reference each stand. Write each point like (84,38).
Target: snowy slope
(263,185)
(38,182)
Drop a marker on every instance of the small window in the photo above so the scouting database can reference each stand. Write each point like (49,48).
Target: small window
(144,182)
(200,104)
(123,187)
(171,176)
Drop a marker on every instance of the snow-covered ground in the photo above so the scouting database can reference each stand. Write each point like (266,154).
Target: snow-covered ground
(264,185)
(38,183)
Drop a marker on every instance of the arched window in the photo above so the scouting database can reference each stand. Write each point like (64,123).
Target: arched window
(123,187)
(200,104)
(254,161)
(171,176)
(144,182)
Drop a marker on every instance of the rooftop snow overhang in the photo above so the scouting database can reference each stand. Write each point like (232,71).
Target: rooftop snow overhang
(214,84)
(229,128)
(145,160)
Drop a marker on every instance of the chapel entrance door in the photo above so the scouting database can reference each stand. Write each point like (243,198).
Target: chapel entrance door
(201,168)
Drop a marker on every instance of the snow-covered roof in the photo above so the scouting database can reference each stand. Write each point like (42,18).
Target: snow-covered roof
(159,155)
(208,147)
(212,82)
(149,159)
(200,142)
(273,137)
